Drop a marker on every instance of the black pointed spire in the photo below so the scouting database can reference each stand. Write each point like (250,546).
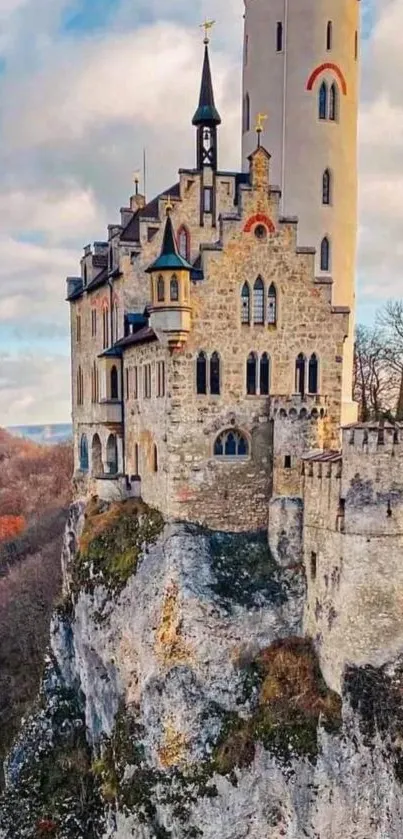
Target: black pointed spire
(169,258)
(206,113)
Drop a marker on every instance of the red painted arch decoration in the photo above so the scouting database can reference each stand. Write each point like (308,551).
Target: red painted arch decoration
(322,69)
(259,218)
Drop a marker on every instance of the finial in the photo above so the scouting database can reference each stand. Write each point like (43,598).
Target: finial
(261,119)
(169,205)
(136,179)
(207,25)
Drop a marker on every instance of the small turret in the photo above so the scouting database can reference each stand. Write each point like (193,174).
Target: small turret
(170,290)
(206,120)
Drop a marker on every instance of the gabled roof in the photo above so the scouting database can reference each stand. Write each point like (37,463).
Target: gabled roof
(169,258)
(131,233)
(206,113)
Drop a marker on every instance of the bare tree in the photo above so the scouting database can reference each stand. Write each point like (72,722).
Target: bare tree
(374,377)
(391,322)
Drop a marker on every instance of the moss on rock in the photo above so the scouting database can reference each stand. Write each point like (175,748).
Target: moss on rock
(112,541)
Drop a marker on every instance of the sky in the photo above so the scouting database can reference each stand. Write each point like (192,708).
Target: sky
(84,86)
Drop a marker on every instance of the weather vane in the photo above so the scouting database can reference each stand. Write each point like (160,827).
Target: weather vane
(169,205)
(207,25)
(261,119)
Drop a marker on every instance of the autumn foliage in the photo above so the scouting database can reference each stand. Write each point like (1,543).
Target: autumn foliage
(11,526)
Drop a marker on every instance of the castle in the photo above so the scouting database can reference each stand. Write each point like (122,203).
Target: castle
(212,334)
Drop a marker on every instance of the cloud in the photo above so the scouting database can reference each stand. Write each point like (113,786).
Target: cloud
(33,388)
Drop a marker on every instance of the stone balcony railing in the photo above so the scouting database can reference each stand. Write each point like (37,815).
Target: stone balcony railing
(108,412)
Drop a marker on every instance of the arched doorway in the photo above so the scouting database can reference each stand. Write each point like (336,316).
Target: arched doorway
(96,456)
(112,454)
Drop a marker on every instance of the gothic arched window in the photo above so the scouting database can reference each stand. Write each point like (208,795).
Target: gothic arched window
(215,374)
(201,374)
(333,102)
(94,383)
(329,35)
(245,304)
(279,37)
(184,242)
(96,455)
(174,290)
(258,302)
(161,290)
(80,387)
(325,254)
(326,187)
(300,374)
(264,375)
(84,459)
(105,327)
(112,454)
(114,383)
(272,306)
(231,444)
(251,374)
(323,101)
(155,458)
(313,370)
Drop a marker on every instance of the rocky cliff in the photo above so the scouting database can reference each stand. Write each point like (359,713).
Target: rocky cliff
(179,699)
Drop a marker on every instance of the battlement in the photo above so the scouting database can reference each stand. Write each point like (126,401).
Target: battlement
(298,407)
(326,464)
(372,438)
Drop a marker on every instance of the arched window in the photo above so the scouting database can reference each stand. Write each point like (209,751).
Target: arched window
(251,374)
(184,242)
(258,302)
(329,35)
(313,370)
(174,289)
(300,373)
(323,101)
(160,290)
(246,113)
(333,102)
(326,187)
(94,383)
(114,383)
(115,322)
(80,387)
(325,254)
(264,375)
(201,374)
(215,374)
(112,454)
(272,306)
(155,458)
(84,460)
(105,327)
(279,37)
(231,444)
(96,456)
(245,304)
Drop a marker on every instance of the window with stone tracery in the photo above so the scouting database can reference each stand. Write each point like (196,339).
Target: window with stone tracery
(231,444)
(245,304)
(258,302)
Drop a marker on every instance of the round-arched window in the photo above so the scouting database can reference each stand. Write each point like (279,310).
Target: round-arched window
(231,444)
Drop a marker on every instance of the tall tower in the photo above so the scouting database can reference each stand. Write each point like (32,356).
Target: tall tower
(301,63)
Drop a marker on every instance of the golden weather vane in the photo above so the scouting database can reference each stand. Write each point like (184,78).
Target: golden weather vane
(207,25)
(260,120)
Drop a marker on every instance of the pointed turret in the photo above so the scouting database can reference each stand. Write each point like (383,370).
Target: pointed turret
(170,290)
(206,113)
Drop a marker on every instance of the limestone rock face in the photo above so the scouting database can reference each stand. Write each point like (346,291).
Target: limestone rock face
(181,700)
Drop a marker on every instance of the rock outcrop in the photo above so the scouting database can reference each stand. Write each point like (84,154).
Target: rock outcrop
(180,699)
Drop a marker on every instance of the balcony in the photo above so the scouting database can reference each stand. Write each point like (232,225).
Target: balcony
(108,412)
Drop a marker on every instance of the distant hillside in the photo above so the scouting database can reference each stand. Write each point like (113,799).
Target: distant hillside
(34,497)
(48,434)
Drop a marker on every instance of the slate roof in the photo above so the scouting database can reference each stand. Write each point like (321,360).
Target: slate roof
(330,456)
(131,233)
(98,280)
(206,113)
(169,258)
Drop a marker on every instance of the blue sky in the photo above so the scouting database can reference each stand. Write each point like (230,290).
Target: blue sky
(74,116)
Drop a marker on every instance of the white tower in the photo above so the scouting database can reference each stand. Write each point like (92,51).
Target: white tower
(301,62)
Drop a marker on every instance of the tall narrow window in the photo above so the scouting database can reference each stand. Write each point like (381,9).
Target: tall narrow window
(300,373)
(94,395)
(264,375)
(136,460)
(326,187)
(325,254)
(136,382)
(80,387)
(215,374)
(323,101)
(246,113)
(160,378)
(333,102)
(115,323)
(246,49)
(272,306)
(127,380)
(112,454)
(94,323)
(258,302)
(208,199)
(279,37)
(105,327)
(84,458)
(78,329)
(160,290)
(356,46)
(201,374)
(313,374)
(174,290)
(245,304)
(314,563)
(251,374)
(114,383)
(329,35)
(184,242)
(155,459)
